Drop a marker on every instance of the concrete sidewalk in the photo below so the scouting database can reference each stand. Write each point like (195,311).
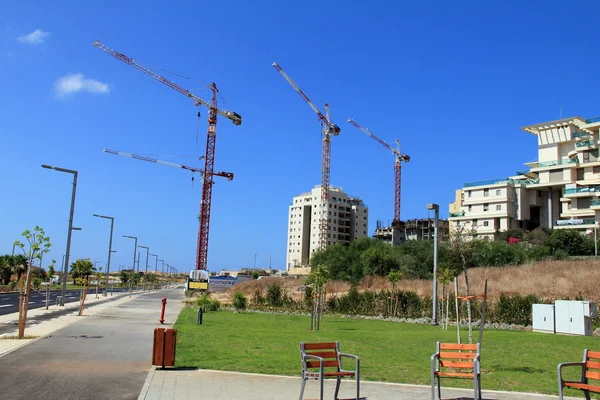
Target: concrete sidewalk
(219,385)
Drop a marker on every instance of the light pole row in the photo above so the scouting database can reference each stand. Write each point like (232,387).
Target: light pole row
(110,250)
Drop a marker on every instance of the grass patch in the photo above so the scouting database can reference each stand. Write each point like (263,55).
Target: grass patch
(389,351)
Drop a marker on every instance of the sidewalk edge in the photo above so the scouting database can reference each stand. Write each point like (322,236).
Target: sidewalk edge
(146,387)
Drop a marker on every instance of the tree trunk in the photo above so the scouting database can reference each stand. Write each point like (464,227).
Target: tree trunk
(48,295)
(468,307)
(82,302)
(24,303)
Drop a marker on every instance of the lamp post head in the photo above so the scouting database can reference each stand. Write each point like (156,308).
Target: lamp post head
(47,166)
(432,206)
(130,237)
(75,229)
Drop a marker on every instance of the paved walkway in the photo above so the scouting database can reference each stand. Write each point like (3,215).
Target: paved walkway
(218,385)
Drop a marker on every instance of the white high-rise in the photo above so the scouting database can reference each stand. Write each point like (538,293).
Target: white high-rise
(347,220)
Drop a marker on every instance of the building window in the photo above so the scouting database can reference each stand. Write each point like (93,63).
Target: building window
(486,192)
(474,222)
(334,213)
(498,192)
(596,170)
(468,193)
(498,207)
(486,207)
(486,223)
(586,157)
(539,193)
(364,232)
(365,218)
(470,208)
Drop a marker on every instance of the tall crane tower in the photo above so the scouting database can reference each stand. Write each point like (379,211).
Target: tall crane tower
(397,166)
(209,157)
(328,129)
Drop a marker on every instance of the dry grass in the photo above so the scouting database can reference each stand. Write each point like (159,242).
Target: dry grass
(548,280)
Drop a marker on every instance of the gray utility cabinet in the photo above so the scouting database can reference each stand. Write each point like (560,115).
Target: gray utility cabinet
(574,317)
(543,318)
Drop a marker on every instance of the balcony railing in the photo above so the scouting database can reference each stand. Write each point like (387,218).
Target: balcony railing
(575,221)
(584,143)
(580,134)
(487,182)
(586,189)
(592,120)
(557,162)
(595,202)
(457,214)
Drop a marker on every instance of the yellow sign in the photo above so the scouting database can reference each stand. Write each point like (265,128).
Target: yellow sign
(199,285)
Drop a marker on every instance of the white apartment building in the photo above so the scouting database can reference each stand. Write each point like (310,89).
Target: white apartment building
(347,218)
(560,190)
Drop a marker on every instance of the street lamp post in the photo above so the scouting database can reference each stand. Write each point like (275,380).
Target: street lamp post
(112,224)
(133,265)
(436,208)
(156,267)
(147,255)
(163,269)
(71,214)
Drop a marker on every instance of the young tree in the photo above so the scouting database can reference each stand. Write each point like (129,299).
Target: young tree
(37,245)
(319,275)
(99,276)
(462,248)
(82,268)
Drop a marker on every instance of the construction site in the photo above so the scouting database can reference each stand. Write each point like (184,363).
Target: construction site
(413,229)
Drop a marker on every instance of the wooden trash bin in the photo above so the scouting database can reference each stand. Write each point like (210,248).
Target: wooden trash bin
(165,344)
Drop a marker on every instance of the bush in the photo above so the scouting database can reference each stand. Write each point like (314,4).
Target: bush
(12,284)
(570,241)
(36,282)
(274,295)
(239,301)
(208,304)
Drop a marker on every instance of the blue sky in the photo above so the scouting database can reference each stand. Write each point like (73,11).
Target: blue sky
(454,81)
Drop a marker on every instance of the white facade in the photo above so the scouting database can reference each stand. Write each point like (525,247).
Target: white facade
(347,220)
(560,190)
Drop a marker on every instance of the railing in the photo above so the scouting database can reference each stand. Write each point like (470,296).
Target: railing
(595,202)
(488,182)
(575,221)
(557,162)
(580,134)
(586,189)
(526,181)
(592,120)
(584,143)
(523,172)
(457,214)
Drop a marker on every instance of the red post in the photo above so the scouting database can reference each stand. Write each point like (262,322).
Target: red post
(162,312)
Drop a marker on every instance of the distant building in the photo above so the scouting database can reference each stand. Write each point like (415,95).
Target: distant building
(412,229)
(347,220)
(560,190)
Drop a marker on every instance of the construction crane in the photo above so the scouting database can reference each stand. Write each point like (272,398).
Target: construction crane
(228,175)
(209,157)
(328,129)
(397,167)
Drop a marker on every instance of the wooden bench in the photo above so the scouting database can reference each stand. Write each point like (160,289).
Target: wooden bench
(453,360)
(324,360)
(590,369)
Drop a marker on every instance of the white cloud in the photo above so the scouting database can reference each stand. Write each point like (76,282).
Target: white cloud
(35,37)
(74,83)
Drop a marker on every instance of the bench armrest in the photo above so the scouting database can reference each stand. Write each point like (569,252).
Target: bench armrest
(571,364)
(477,365)
(434,357)
(340,355)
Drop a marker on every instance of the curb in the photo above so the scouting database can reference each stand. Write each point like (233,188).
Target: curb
(146,387)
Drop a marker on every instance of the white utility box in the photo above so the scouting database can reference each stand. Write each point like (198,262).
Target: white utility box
(543,318)
(574,317)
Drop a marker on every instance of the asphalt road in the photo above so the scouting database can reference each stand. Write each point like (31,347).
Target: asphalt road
(9,302)
(104,356)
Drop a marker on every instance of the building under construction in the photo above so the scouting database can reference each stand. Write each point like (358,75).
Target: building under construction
(413,229)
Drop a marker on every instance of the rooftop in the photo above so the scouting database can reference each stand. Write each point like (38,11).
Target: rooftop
(536,128)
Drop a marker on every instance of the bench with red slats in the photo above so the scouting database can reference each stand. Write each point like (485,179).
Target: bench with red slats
(313,355)
(590,369)
(455,360)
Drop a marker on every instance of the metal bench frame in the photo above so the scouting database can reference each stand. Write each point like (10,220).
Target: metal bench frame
(309,360)
(585,374)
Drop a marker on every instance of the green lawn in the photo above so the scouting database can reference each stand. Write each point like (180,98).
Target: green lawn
(389,351)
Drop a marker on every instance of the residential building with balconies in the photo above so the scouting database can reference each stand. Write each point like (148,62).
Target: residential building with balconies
(560,190)
(347,219)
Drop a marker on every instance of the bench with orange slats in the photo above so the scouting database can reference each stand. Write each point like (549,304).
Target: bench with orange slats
(324,360)
(454,360)
(590,369)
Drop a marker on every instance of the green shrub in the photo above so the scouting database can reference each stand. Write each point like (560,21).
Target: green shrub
(515,309)
(36,282)
(208,304)
(570,241)
(275,295)
(239,301)
(12,284)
